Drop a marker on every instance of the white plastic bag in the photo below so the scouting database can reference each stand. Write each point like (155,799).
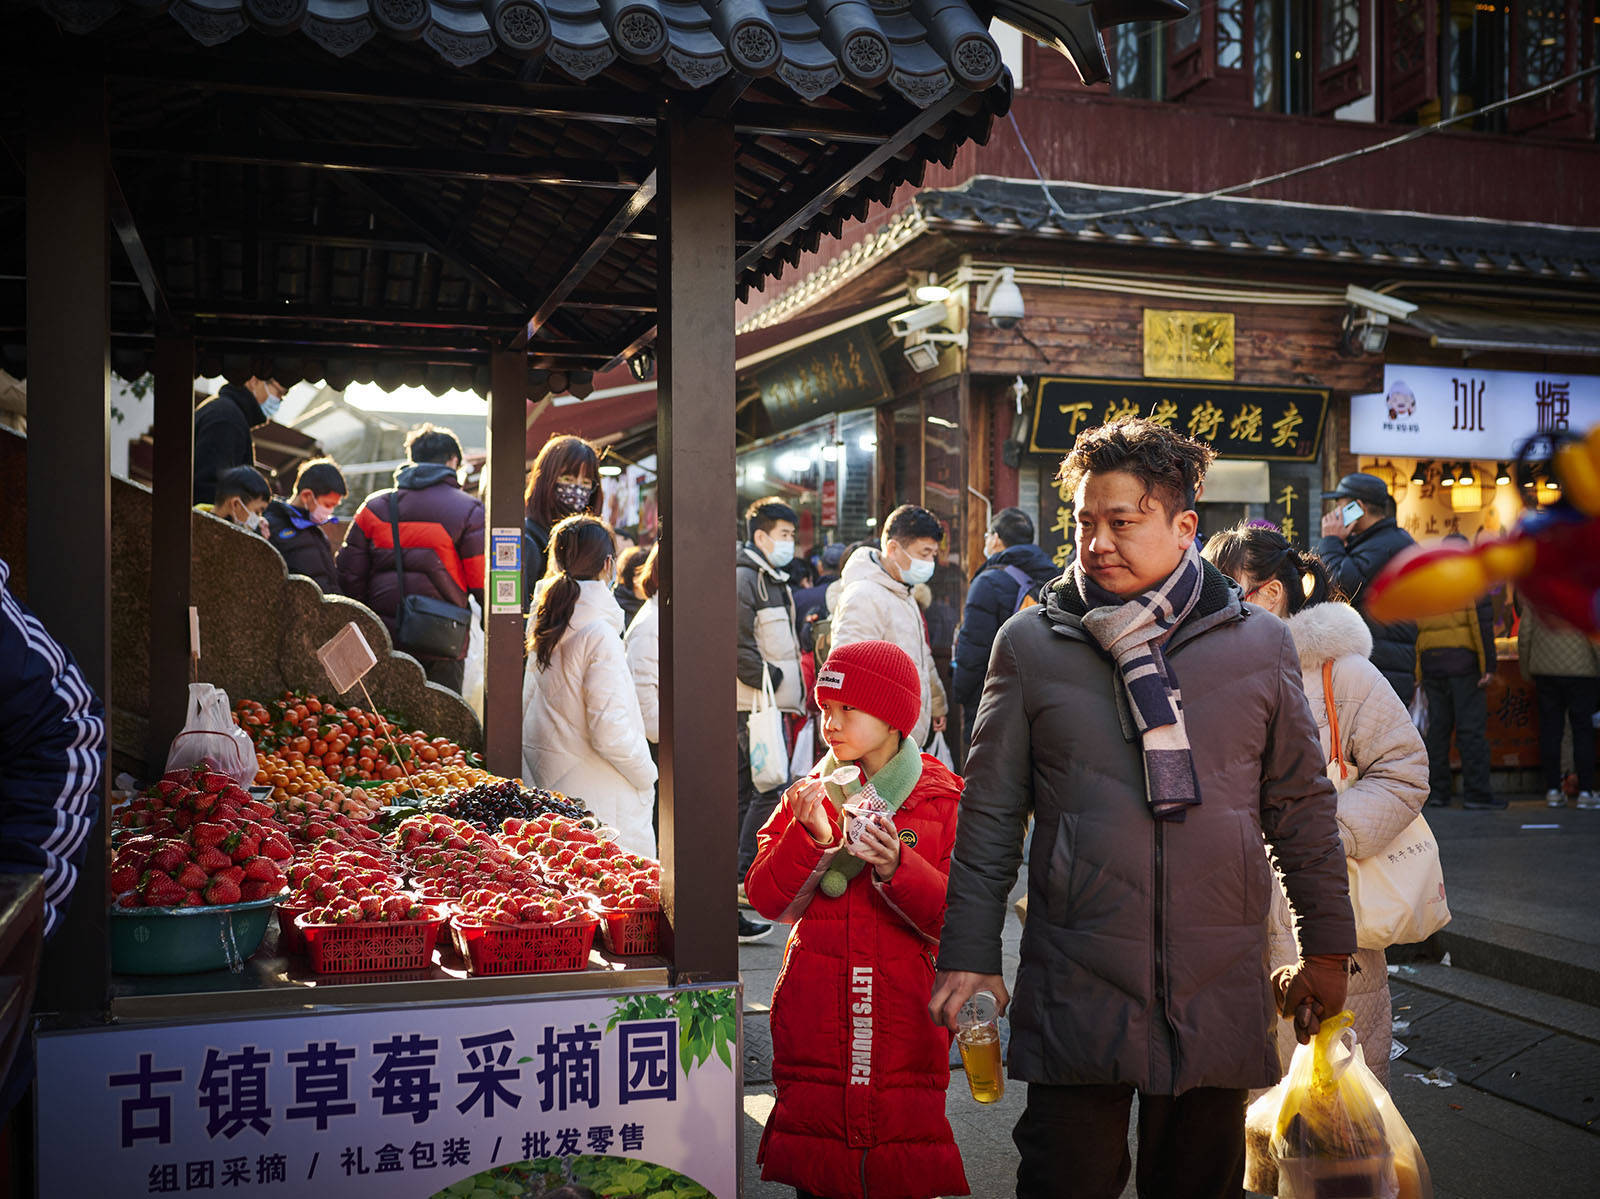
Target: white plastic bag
(769,754)
(1419,710)
(210,738)
(941,750)
(804,755)
(1332,1128)
(472,672)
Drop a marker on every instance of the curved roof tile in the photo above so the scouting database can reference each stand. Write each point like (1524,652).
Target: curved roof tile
(920,48)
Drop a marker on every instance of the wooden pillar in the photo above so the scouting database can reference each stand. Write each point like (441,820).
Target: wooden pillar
(502,688)
(171,543)
(695,441)
(69,457)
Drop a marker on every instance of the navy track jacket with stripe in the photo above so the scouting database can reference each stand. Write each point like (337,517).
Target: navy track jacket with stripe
(52,755)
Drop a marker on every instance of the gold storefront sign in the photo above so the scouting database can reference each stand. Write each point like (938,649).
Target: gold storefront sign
(1187,345)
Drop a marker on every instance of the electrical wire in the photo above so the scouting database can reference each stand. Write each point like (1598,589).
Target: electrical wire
(1410,135)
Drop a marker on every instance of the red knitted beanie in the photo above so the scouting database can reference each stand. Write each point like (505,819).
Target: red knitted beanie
(877,677)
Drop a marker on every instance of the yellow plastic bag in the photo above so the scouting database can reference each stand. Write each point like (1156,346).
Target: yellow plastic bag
(1336,1130)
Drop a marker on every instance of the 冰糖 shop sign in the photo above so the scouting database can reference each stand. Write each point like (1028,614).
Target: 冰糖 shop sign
(627,1094)
(1446,412)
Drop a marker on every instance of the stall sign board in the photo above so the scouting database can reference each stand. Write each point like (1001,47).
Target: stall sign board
(1453,412)
(346,657)
(831,375)
(634,1090)
(505,572)
(1264,423)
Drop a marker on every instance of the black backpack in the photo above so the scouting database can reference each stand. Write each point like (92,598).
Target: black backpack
(1025,595)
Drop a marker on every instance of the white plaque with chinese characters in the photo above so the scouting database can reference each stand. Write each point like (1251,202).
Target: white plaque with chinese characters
(1446,412)
(631,1093)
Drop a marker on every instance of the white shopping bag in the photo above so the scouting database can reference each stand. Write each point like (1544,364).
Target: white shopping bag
(769,754)
(941,750)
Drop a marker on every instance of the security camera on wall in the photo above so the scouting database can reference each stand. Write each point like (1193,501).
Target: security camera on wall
(926,317)
(1001,299)
(1376,301)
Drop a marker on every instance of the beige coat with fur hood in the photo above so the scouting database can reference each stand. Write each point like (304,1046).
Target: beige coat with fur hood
(1386,755)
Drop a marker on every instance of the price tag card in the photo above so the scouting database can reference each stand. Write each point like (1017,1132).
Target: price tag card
(347,657)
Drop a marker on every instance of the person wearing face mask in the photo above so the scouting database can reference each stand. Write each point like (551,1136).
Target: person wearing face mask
(564,481)
(876,604)
(582,731)
(295,527)
(768,645)
(1013,571)
(222,427)
(242,495)
(1360,538)
(441,542)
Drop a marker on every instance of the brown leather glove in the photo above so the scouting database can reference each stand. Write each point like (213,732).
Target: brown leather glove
(1310,990)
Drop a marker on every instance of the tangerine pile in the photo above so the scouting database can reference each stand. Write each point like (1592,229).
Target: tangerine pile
(347,746)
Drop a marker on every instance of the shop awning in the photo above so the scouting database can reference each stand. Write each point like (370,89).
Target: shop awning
(1501,329)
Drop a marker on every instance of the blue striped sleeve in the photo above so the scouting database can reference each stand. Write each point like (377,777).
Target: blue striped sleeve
(52,755)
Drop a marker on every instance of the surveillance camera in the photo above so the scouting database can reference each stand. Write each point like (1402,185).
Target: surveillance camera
(1377,302)
(1001,299)
(921,357)
(925,317)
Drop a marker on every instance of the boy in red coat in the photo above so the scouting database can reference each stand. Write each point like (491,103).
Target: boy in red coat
(861,1071)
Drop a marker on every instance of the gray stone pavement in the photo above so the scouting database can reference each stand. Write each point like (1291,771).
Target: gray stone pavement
(1519,1030)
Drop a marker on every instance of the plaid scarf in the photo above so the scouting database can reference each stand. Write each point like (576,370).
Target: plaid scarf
(1133,631)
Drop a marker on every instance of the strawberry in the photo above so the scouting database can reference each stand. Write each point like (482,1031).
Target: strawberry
(213,782)
(261,868)
(212,860)
(234,874)
(170,857)
(130,900)
(203,801)
(255,888)
(277,848)
(192,877)
(193,899)
(208,833)
(221,891)
(246,848)
(123,878)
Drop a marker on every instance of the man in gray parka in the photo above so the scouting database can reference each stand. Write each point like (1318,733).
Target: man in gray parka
(1154,726)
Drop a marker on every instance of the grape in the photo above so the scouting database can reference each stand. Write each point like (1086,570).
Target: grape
(487,805)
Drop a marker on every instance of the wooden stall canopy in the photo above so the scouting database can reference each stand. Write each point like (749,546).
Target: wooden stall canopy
(453,194)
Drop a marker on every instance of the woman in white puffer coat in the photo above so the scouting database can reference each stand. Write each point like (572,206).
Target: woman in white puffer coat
(582,733)
(1386,757)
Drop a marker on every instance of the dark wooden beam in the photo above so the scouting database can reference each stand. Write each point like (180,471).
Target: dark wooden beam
(816,124)
(455,91)
(507,458)
(622,302)
(699,803)
(133,246)
(297,235)
(860,169)
(335,315)
(69,420)
(590,251)
(418,161)
(171,548)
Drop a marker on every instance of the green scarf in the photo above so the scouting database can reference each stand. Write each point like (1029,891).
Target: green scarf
(894,785)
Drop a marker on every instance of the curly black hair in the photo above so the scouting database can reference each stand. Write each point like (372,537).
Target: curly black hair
(1170,465)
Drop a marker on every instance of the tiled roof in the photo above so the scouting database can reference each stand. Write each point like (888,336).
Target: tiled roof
(1271,228)
(919,48)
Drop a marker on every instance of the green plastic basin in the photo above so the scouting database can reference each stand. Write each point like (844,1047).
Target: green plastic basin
(187,940)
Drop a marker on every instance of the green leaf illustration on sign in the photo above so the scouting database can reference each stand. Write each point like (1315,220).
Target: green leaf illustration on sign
(707,1022)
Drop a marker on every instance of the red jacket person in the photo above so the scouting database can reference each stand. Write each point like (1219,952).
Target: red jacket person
(860,1070)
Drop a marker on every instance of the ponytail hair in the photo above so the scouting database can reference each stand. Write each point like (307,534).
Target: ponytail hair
(579,547)
(1261,553)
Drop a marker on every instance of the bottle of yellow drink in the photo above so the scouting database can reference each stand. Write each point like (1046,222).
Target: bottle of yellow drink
(978,1036)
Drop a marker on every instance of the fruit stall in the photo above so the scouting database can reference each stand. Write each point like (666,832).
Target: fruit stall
(365,962)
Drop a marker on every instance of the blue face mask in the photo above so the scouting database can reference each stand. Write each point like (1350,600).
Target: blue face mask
(781,554)
(920,570)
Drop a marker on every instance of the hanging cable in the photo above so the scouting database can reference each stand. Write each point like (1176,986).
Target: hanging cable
(1262,181)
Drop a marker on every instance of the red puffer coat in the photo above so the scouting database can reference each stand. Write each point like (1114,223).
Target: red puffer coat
(861,1071)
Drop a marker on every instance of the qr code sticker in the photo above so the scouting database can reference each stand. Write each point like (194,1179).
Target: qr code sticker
(505,555)
(505,591)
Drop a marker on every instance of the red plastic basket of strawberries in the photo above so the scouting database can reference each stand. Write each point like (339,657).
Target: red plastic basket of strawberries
(333,872)
(538,932)
(376,933)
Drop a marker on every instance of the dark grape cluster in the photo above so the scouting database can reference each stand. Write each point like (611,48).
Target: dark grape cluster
(488,804)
